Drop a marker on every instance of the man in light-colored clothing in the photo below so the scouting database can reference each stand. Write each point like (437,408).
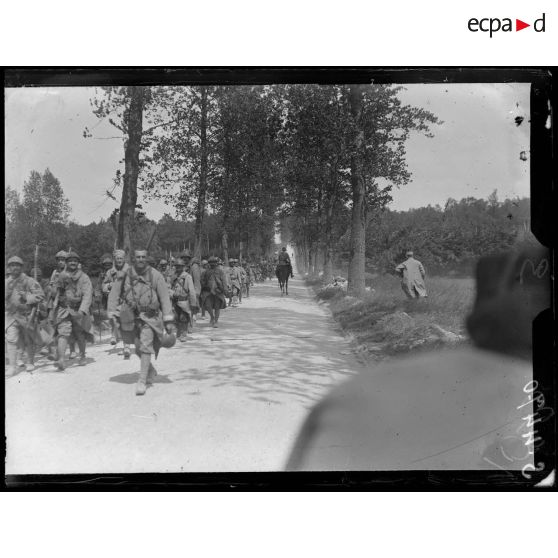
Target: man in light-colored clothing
(22,295)
(118,270)
(412,276)
(146,315)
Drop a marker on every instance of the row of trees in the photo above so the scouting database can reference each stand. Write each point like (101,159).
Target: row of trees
(251,155)
(445,239)
(39,216)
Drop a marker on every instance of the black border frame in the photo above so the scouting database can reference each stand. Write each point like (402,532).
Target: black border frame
(543,169)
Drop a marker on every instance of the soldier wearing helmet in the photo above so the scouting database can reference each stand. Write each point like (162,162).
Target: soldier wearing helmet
(192,266)
(203,266)
(235,282)
(50,293)
(284,259)
(71,309)
(60,267)
(146,317)
(163,266)
(184,299)
(22,294)
(119,268)
(213,290)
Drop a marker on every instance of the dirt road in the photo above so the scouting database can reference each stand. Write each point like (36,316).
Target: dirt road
(229,399)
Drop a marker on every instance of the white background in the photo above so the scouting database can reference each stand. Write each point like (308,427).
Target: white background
(260,32)
(410,33)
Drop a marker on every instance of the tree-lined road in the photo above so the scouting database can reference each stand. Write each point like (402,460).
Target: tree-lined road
(229,399)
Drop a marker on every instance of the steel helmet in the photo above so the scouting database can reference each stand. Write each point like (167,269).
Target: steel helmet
(168,340)
(15,260)
(186,253)
(73,256)
(163,262)
(61,254)
(107,259)
(213,259)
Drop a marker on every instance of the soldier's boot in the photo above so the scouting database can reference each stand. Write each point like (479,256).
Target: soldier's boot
(62,345)
(19,358)
(11,350)
(189,327)
(30,365)
(72,349)
(82,359)
(52,352)
(127,352)
(141,386)
(216,319)
(151,374)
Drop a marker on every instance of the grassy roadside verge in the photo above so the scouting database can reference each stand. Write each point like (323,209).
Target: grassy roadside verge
(384,322)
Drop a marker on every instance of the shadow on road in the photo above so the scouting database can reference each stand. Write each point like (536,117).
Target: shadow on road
(275,352)
(132,378)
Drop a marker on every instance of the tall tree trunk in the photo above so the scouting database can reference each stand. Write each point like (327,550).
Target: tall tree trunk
(134,121)
(225,245)
(330,203)
(202,190)
(328,264)
(356,286)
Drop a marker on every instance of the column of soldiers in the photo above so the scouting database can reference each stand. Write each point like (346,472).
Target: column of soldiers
(54,314)
(147,305)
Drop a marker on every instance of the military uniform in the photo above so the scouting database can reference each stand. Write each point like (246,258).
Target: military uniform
(71,311)
(22,294)
(214,288)
(243,280)
(146,306)
(235,283)
(185,302)
(284,259)
(412,277)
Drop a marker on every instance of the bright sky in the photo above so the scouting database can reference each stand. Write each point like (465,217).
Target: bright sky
(475,150)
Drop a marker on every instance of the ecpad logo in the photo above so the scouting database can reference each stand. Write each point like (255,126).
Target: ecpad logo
(494,24)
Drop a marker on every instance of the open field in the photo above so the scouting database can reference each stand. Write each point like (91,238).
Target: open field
(385,322)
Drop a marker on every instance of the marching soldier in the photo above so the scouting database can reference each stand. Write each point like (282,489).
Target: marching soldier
(60,258)
(192,266)
(203,267)
(244,271)
(119,268)
(251,272)
(107,266)
(163,267)
(170,270)
(213,290)
(70,311)
(184,299)
(236,283)
(146,317)
(22,295)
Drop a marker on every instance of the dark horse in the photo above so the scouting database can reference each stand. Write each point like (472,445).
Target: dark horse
(283,272)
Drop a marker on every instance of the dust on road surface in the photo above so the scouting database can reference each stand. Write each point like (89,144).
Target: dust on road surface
(229,399)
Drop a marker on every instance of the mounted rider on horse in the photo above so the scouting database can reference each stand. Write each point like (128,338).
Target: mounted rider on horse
(283,270)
